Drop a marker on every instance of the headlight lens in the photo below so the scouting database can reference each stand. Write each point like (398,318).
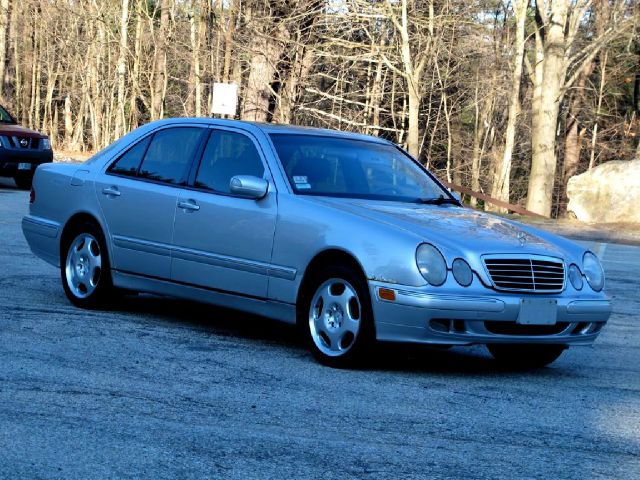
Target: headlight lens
(575,276)
(46,144)
(593,271)
(431,264)
(462,272)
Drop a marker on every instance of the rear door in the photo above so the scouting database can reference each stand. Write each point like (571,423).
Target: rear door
(223,241)
(138,194)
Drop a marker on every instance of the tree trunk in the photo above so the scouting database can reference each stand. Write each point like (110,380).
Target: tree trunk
(262,70)
(500,188)
(134,114)
(121,69)
(194,66)
(413,131)
(160,63)
(68,123)
(574,135)
(228,40)
(4,23)
(376,95)
(594,135)
(545,120)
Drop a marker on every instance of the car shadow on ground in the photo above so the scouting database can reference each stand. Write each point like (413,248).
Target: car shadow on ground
(384,357)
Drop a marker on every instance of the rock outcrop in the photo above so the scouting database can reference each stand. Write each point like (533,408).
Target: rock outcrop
(608,193)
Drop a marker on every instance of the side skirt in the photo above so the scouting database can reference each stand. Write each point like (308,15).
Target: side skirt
(283,312)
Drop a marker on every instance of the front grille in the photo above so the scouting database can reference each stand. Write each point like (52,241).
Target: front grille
(526,274)
(20,143)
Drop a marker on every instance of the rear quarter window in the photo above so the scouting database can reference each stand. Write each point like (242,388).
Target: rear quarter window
(129,162)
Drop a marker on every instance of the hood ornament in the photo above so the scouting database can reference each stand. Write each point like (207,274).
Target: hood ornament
(522,238)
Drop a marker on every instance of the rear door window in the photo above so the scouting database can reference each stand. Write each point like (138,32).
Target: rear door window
(169,156)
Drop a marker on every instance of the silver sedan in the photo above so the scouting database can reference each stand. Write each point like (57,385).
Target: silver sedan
(343,234)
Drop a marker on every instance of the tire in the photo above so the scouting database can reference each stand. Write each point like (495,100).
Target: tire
(84,267)
(525,356)
(23,182)
(336,317)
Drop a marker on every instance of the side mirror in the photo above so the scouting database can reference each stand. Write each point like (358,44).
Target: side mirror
(248,186)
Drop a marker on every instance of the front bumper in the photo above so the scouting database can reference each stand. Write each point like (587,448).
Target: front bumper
(423,315)
(10,160)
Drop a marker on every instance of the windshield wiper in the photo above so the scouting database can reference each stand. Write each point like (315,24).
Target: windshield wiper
(441,200)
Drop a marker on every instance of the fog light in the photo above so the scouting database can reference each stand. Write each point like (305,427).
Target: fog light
(462,272)
(575,276)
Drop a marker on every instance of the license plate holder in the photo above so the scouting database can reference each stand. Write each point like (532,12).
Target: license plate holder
(24,166)
(538,311)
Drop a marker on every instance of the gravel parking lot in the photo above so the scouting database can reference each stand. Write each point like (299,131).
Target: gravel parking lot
(161,388)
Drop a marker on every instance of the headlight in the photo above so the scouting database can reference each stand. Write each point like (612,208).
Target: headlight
(462,272)
(431,264)
(593,271)
(575,276)
(46,144)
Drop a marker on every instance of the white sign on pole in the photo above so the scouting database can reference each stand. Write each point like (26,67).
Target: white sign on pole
(225,98)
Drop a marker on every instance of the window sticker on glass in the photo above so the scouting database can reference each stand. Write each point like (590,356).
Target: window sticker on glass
(301,181)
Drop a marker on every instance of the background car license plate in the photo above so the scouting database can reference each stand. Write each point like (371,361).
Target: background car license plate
(538,311)
(24,166)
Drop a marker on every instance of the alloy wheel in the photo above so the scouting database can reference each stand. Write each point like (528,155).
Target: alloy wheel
(83,267)
(335,317)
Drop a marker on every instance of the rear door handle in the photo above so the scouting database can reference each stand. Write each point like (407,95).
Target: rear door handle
(111,192)
(189,205)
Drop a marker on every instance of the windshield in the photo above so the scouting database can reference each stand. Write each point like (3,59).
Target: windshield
(340,167)
(5,117)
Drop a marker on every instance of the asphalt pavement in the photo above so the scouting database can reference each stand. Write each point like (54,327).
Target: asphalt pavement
(162,388)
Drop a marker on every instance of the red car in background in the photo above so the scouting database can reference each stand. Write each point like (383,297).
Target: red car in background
(21,150)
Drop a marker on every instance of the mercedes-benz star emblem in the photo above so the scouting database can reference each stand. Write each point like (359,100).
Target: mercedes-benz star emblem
(24,142)
(522,238)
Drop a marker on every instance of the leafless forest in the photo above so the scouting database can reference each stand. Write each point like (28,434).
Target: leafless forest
(507,97)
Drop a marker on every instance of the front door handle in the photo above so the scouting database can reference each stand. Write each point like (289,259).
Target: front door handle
(111,192)
(189,206)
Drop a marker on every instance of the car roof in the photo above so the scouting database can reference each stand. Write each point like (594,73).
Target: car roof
(269,128)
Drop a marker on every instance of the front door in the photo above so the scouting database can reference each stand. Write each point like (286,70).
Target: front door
(138,194)
(222,241)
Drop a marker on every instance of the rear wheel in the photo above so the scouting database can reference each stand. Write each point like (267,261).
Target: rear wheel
(23,182)
(336,316)
(84,269)
(525,356)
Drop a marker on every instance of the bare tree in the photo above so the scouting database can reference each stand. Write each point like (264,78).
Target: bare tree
(500,189)
(160,63)
(121,69)
(556,67)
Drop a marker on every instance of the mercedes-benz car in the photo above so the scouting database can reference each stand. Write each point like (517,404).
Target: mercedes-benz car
(345,235)
(21,150)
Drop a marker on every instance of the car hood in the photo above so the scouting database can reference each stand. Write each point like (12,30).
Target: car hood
(19,130)
(459,230)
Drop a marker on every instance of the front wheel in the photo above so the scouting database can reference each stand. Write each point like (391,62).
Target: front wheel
(525,356)
(337,318)
(85,272)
